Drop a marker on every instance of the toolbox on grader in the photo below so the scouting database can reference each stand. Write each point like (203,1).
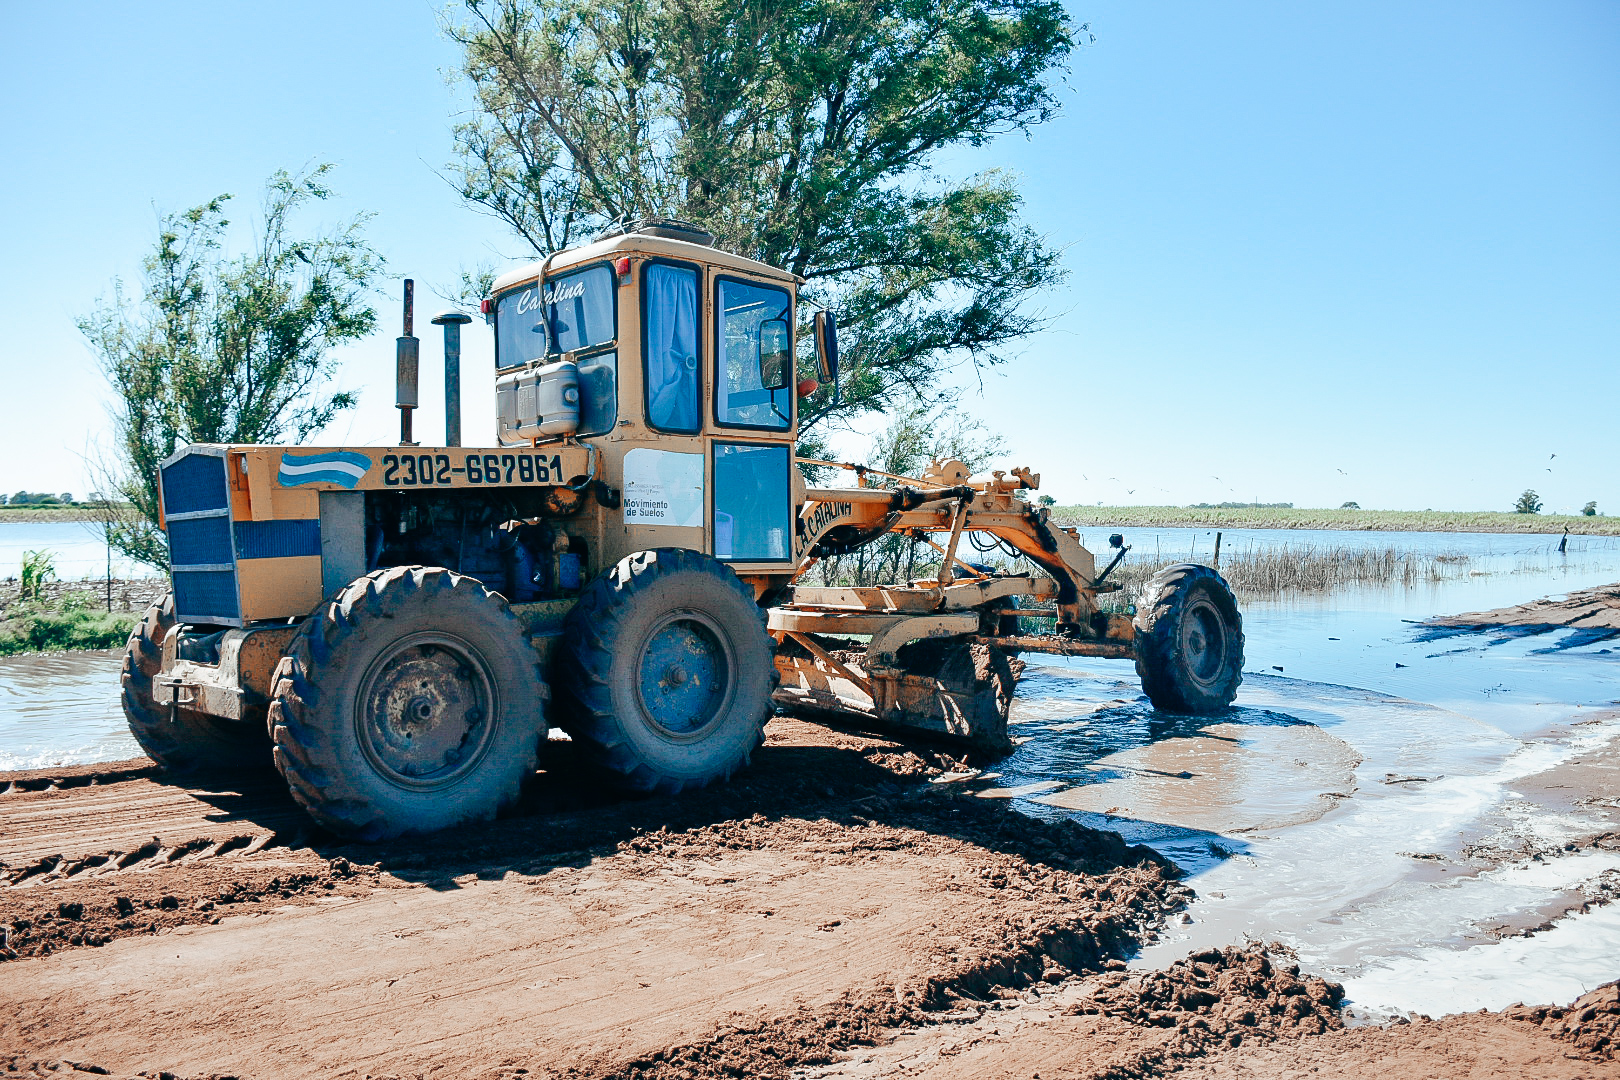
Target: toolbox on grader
(406,622)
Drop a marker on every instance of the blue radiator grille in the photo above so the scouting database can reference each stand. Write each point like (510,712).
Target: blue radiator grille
(195,482)
(205,595)
(200,541)
(278,539)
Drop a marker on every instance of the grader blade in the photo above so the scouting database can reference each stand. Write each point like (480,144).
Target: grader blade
(948,687)
(919,666)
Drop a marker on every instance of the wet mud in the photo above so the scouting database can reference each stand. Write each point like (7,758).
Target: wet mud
(838,911)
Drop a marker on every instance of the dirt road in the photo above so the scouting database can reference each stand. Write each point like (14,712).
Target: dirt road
(832,912)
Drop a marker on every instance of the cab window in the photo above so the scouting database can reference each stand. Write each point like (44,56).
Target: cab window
(753,323)
(580,308)
(670,346)
(580,314)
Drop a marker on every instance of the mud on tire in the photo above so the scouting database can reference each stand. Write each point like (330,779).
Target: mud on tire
(666,672)
(1189,640)
(180,740)
(410,703)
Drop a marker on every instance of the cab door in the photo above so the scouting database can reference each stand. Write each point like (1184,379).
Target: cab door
(754,423)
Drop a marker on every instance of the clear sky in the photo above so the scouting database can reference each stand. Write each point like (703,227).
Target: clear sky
(1317,252)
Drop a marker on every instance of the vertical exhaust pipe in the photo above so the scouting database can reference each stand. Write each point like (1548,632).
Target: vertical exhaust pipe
(452,321)
(407,353)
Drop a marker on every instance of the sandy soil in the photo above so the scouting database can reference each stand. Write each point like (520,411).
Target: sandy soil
(830,913)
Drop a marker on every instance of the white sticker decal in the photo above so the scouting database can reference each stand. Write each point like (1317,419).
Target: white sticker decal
(662,487)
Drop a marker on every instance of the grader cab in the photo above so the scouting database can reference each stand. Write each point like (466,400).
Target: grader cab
(625,561)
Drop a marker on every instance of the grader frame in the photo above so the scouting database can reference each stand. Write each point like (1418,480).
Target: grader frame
(627,561)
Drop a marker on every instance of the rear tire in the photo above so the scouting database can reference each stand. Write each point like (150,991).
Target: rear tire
(410,703)
(179,740)
(666,671)
(1189,640)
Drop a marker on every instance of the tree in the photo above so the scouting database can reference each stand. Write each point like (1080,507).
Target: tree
(223,349)
(1529,503)
(1351,505)
(1590,509)
(801,133)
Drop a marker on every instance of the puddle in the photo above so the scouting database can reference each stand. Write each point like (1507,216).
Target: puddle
(62,709)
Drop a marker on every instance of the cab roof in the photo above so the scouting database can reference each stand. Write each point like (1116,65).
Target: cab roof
(641,244)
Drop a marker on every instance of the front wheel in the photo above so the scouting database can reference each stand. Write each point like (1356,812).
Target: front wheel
(667,671)
(1189,640)
(410,703)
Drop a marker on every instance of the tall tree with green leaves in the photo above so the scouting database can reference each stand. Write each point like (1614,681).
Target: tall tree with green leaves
(222,349)
(802,133)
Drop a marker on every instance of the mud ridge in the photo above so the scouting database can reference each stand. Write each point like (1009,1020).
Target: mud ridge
(1591,1023)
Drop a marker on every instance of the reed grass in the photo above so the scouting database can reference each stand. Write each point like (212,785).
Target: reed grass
(1262,573)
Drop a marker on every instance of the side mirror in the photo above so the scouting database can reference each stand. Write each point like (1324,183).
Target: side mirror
(827,347)
(775,354)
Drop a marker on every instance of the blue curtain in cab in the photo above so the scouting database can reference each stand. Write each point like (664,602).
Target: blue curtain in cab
(670,347)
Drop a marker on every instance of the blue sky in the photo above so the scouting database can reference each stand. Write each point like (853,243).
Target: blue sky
(1316,252)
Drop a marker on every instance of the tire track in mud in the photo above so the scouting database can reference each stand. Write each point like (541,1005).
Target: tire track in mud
(650,946)
(72,815)
(587,934)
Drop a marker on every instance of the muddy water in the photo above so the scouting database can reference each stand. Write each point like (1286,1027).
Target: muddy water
(61,709)
(1331,809)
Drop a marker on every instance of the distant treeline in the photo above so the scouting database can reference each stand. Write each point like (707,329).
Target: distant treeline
(1241,506)
(40,500)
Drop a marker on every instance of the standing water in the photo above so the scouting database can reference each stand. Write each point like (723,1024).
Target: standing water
(1356,802)
(61,709)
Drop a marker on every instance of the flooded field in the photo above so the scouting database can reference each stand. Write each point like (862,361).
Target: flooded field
(1360,804)
(1371,802)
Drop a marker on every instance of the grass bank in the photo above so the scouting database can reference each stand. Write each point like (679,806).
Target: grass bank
(1372,520)
(76,623)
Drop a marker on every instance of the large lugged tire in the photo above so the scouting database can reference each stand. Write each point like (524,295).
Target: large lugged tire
(410,703)
(179,740)
(1189,640)
(667,674)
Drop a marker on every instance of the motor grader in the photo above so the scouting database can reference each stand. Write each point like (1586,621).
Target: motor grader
(399,626)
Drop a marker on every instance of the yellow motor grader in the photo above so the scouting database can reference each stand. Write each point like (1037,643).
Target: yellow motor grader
(624,561)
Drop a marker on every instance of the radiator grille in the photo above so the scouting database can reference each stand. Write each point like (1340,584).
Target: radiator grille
(202,559)
(200,541)
(195,482)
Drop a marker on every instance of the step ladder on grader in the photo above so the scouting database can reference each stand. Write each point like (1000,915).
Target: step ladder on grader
(399,627)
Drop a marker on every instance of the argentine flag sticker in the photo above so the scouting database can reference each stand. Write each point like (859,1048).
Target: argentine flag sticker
(343,467)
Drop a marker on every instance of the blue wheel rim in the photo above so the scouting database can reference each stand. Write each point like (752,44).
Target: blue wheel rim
(425,711)
(685,674)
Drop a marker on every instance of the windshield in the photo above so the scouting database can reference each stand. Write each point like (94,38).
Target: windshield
(581,310)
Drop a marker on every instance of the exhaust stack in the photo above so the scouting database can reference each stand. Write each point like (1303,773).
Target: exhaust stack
(407,355)
(452,321)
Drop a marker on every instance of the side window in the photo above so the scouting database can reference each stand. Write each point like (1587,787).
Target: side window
(598,393)
(752,515)
(744,308)
(670,346)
